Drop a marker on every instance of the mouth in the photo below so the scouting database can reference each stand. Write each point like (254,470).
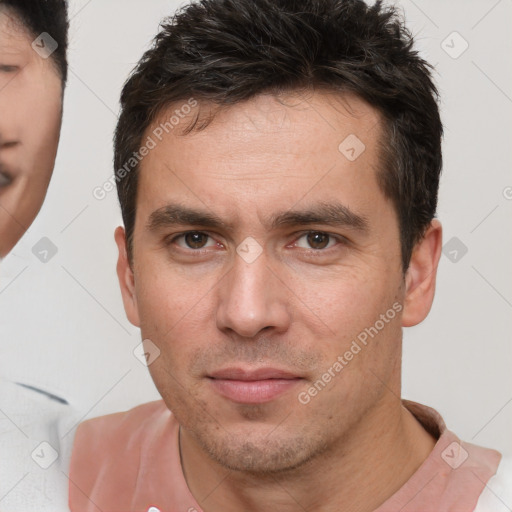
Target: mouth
(253,386)
(5,178)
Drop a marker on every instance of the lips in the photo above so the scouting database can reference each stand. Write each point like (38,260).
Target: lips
(5,179)
(253,386)
(7,173)
(252,375)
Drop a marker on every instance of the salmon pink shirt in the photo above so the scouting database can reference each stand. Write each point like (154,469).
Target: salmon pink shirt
(130,462)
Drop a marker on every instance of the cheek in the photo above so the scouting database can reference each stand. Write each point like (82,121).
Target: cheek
(175,309)
(160,303)
(38,122)
(361,314)
(181,328)
(346,299)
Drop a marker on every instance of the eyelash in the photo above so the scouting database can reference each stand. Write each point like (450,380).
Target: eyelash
(340,239)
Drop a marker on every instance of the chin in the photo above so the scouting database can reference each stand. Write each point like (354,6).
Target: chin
(265,455)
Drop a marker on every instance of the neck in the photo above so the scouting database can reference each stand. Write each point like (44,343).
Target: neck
(381,453)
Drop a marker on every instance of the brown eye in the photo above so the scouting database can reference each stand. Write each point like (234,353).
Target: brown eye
(192,242)
(318,240)
(195,240)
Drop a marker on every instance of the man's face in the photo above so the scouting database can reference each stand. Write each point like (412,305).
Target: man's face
(242,341)
(30,107)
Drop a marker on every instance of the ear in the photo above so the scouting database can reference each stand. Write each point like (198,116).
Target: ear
(420,278)
(126,278)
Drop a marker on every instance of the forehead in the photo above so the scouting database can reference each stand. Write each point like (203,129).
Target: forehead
(13,32)
(292,112)
(262,150)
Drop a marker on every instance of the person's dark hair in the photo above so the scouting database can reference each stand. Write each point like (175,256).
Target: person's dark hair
(227,51)
(49,16)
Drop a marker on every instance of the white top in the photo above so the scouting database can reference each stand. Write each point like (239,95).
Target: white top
(497,495)
(36,436)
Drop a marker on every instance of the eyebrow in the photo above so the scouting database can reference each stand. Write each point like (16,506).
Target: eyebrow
(330,214)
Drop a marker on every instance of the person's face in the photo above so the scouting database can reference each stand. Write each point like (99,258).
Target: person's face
(218,318)
(30,119)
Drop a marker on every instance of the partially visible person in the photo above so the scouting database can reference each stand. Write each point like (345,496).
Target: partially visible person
(33,71)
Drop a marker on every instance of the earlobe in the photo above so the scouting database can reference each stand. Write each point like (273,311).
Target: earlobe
(126,278)
(420,278)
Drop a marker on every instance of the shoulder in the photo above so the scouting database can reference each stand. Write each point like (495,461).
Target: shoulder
(113,433)
(497,495)
(123,422)
(116,452)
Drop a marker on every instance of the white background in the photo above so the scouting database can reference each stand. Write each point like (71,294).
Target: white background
(62,324)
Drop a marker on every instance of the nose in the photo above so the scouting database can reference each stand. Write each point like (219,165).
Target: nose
(252,298)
